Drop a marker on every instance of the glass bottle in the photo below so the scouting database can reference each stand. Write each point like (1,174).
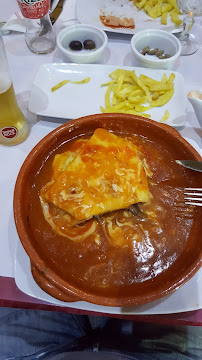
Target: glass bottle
(40,36)
(14,127)
(191,8)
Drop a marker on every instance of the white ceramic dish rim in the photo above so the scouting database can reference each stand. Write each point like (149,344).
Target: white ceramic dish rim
(140,34)
(81,55)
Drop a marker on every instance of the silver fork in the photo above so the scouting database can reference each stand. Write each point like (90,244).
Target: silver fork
(193,196)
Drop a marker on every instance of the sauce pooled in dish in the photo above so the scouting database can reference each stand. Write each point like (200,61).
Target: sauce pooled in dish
(103,214)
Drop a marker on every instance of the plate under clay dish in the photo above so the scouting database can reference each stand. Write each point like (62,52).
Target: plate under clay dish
(158,267)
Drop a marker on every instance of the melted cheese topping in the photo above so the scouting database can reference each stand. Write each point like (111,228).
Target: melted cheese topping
(97,176)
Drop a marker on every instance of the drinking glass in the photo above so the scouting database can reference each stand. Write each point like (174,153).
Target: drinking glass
(14,127)
(191,8)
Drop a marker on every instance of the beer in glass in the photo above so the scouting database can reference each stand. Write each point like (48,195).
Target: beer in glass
(14,127)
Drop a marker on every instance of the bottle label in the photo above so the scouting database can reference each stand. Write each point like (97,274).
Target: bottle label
(9,132)
(33,9)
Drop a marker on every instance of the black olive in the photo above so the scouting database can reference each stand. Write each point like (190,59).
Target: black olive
(75,45)
(89,44)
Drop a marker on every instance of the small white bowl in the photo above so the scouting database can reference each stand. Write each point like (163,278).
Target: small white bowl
(195,98)
(160,39)
(82,32)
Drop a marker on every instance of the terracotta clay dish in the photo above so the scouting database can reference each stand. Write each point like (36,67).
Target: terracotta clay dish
(133,255)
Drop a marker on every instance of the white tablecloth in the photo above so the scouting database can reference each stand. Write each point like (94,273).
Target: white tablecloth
(24,66)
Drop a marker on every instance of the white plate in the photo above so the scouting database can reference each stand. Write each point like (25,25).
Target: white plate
(186,298)
(89,11)
(72,100)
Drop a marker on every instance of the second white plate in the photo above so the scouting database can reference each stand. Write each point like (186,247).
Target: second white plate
(73,101)
(89,11)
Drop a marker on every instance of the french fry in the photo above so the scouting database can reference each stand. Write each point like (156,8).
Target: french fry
(141,109)
(166,8)
(64,82)
(137,99)
(138,92)
(173,4)
(164,17)
(133,112)
(58,86)
(108,83)
(165,116)
(140,4)
(163,99)
(134,99)
(115,99)
(171,78)
(160,8)
(157,8)
(127,93)
(118,107)
(164,78)
(142,86)
(155,95)
(119,84)
(147,81)
(84,81)
(130,90)
(161,87)
(107,96)
(149,10)
(175,17)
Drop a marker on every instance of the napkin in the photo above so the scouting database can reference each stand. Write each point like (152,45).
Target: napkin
(15,23)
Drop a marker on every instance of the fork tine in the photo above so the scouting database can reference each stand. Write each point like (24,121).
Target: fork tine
(193,203)
(193,196)
(195,189)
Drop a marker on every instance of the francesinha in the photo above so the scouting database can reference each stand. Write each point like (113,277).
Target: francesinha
(97,175)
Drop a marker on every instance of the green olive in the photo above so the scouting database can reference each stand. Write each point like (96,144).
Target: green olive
(145,50)
(152,52)
(159,53)
(166,56)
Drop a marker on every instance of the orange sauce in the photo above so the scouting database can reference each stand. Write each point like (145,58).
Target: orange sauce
(114,266)
(116,23)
